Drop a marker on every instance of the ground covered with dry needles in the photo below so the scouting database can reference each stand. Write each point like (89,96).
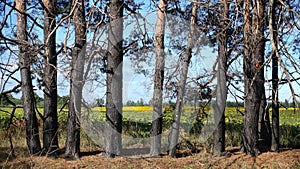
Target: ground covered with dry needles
(288,158)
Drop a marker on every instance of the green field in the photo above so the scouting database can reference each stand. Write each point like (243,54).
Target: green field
(137,122)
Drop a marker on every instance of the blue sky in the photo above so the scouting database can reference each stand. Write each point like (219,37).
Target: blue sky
(138,86)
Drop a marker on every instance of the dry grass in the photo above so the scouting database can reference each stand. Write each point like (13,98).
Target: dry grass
(95,159)
(91,157)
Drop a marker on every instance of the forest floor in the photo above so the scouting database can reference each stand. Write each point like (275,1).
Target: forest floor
(286,158)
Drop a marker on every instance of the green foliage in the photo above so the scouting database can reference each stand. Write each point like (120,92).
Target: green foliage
(100,102)
(130,103)
(137,123)
(18,101)
(39,101)
(5,114)
(233,134)
(289,127)
(62,100)
(5,103)
(289,136)
(198,125)
(288,104)
(63,119)
(168,114)
(234,104)
(139,102)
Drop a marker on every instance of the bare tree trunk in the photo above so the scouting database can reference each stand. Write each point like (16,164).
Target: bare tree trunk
(181,86)
(76,82)
(221,89)
(155,149)
(275,103)
(264,128)
(275,106)
(253,73)
(50,125)
(114,102)
(32,132)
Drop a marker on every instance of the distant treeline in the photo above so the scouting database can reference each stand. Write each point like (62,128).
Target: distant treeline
(6,101)
(62,100)
(284,104)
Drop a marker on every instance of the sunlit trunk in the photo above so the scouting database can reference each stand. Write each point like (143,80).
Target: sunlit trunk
(156,131)
(32,131)
(221,88)
(76,82)
(114,102)
(254,43)
(181,85)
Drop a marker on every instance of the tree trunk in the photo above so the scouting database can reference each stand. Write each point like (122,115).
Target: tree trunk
(253,74)
(76,82)
(181,86)
(50,125)
(264,128)
(219,106)
(114,84)
(32,132)
(221,89)
(155,149)
(275,103)
(275,106)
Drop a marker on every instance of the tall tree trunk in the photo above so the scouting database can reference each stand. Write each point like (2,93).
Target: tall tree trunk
(114,104)
(32,132)
(221,89)
(264,126)
(50,125)
(181,86)
(76,82)
(155,149)
(275,102)
(253,73)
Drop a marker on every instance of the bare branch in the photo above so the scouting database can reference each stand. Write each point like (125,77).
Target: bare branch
(24,13)
(11,90)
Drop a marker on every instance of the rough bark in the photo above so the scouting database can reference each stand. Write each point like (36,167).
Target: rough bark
(181,85)
(76,82)
(114,104)
(155,149)
(254,43)
(32,132)
(50,125)
(221,88)
(264,128)
(275,106)
(275,103)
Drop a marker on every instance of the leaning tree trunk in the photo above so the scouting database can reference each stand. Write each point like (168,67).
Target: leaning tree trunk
(32,132)
(76,82)
(221,88)
(50,125)
(155,149)
(254,43)
(181,86)
(275,80)
(113,126)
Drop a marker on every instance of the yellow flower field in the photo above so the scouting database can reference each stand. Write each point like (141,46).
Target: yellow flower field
(288,116)
(128,108)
